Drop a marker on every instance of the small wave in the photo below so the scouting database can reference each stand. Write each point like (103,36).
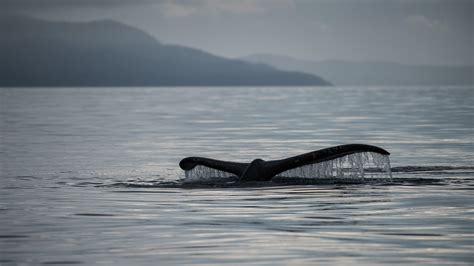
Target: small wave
(13,236)
(62,262)
(411,169)
(281,181)
(94,214)
(143,184)
(233,181)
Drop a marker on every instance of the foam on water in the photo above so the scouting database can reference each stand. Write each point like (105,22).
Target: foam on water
(355,166)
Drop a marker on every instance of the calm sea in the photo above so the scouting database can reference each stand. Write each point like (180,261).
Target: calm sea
(83,170)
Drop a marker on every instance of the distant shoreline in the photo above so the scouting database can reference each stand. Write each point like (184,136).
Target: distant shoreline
(37,52)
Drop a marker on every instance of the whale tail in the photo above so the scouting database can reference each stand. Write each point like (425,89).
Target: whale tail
(205,167)
(338,161)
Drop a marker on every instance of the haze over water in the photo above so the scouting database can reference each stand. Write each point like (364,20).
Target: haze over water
(82,169)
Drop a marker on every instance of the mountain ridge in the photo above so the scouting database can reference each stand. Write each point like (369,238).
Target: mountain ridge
(360,73)
(37,52)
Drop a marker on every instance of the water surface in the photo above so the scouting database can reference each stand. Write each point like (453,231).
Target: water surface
(84,172)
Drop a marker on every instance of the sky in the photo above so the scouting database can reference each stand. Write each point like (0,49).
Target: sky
(422,32)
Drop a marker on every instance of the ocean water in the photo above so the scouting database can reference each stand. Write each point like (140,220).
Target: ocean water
(90,176)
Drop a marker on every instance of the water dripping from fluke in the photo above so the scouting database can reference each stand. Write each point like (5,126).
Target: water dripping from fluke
(352,162)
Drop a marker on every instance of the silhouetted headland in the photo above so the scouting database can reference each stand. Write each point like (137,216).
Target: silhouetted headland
(106,53)
(353,73)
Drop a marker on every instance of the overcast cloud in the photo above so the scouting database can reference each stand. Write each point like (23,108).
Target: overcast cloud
(413,32)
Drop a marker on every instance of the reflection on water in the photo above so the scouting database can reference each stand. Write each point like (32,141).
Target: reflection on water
(90,176)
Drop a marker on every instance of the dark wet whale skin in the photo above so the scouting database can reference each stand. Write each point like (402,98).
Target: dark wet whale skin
(260,170)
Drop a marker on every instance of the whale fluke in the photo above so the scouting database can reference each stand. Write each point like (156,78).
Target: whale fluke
(225,166)
(260,170)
